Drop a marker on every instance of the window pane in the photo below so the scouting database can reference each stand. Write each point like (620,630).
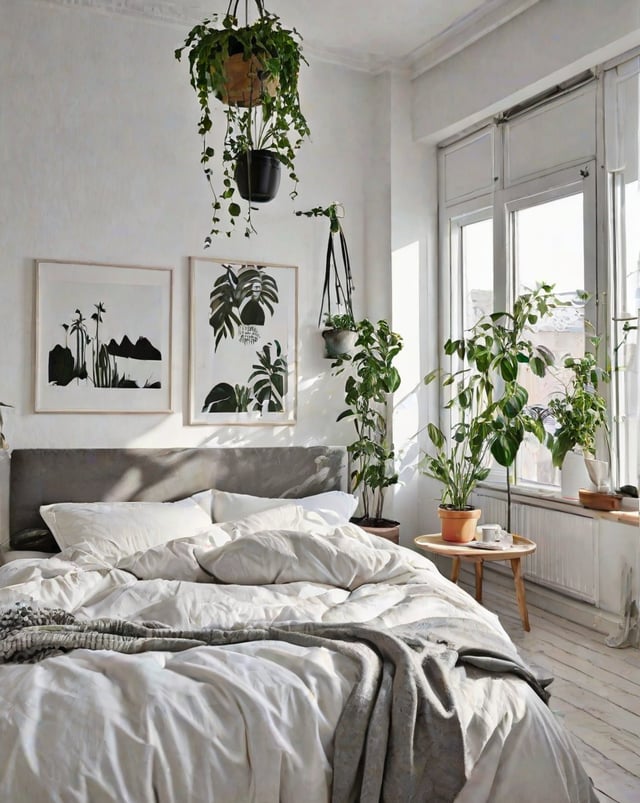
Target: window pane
(549,247)
(626,357)
(477,271)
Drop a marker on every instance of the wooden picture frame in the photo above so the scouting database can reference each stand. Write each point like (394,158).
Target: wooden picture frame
(243,344)
(103,338)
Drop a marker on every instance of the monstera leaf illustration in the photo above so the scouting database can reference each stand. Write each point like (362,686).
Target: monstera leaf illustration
(226,398)
(270,375)
(242,298)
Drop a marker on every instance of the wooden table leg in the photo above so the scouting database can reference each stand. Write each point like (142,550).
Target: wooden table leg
(455,570)
(479,580)
(519,584)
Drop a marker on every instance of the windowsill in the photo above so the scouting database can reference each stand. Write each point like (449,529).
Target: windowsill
(552,500)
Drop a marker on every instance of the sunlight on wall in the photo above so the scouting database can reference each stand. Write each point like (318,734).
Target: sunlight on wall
(406,321)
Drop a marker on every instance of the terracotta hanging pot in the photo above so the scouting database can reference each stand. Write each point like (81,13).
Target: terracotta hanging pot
(458,526)
(245,82)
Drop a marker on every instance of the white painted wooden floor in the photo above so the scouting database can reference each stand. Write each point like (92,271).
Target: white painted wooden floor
(595,692)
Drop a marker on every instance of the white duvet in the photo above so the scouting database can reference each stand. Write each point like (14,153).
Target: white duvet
(248,722)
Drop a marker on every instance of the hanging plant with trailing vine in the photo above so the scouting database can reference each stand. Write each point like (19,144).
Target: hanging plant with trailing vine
(267,117)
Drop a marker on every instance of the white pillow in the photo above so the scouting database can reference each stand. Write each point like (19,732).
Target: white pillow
(335,507)
(283,517)
(116,529)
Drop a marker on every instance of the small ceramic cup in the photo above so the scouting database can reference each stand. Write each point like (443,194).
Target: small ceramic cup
(490,533)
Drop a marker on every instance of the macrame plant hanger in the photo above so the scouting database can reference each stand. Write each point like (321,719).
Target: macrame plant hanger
(342,285)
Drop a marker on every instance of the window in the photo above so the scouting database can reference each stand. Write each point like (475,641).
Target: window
(522,201)
(548,245)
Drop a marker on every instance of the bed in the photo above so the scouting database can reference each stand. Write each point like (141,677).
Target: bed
(215,629)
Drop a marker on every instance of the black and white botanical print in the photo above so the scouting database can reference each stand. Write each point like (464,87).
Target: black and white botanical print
(103,338)
(243,354)
(87,356)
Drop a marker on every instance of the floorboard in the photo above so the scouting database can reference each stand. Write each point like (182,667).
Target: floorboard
(595,692)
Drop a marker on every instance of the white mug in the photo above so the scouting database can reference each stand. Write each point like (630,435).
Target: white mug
(490,533)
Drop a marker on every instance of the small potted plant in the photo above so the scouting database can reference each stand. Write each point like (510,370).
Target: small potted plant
(488,406)
(340,335)
(253,70)
(371,381)
(579,415)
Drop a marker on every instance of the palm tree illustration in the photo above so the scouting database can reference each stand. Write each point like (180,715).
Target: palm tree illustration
(79,329)
(241,299)
(270,373)
(104,366)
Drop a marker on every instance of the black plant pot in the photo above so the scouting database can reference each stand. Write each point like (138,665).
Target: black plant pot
(257,175)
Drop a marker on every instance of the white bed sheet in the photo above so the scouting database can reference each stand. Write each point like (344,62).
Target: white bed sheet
(248,722)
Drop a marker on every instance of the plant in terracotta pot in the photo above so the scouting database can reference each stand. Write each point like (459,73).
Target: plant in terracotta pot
(489,403)
(459,465)
(340,331)
(251,71)
(368,387)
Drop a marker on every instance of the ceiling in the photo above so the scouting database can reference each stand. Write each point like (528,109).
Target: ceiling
(370,35)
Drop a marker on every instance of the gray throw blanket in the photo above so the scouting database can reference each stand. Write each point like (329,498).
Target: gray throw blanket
(399,736)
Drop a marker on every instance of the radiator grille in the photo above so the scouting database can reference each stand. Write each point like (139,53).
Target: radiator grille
(566,557)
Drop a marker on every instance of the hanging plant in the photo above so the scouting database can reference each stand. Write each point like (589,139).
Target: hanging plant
(254,70)
(336,306)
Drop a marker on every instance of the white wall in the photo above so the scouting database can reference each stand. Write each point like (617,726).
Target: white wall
(99,158)
(548,43)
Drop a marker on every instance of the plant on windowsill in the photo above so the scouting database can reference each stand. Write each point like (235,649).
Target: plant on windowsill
(368,387)
(488,406)
(579,415)
(340,330)
(253,70)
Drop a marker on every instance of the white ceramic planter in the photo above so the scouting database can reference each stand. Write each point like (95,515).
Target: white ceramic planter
(573,475)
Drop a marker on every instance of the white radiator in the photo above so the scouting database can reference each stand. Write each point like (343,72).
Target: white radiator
(566,557)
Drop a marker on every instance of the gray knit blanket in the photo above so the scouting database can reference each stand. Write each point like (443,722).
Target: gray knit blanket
(399,736)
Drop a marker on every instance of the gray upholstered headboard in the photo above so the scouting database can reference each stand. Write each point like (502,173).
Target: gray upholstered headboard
(43,476)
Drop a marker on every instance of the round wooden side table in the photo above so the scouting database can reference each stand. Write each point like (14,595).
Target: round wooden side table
(459,552)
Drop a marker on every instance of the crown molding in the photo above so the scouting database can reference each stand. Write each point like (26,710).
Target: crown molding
(186,12)
(464,32)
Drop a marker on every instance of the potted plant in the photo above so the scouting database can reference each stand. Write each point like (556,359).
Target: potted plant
(488,403)
(579,415)
(340,335)
(3,440)
(339,331)
(373,378)
(253,69)
(459,464)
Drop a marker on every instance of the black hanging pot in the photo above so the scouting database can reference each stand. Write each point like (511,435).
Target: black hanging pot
(257,175)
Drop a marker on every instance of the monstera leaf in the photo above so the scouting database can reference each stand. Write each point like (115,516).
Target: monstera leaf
(242,298)
(270,373)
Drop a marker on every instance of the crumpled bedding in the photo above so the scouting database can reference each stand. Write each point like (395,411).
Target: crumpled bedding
(253,721)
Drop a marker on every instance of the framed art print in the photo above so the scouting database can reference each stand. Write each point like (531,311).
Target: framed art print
(103,338)
(243,355)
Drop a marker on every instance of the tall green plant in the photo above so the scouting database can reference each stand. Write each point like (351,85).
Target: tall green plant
(274,122)
(372,379)
(488,398)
